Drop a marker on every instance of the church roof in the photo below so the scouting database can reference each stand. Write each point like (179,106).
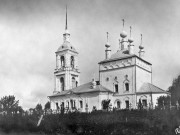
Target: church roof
(66,46)
(85,88)
(122,54)
(150,88)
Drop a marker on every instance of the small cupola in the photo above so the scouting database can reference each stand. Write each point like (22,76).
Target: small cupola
(123,35)
(108,50)
(141,49)
(131,46)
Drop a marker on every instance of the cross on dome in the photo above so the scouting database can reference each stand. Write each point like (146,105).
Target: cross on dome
(141,47)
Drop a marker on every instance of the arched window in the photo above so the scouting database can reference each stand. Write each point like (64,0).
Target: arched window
(57,107)
(71,102)
(62,61)
(118,104)
(127,104)
(76,83)
(73,82)
(127,86)
(116,88)
(62,83)
(72,61)
(81,104)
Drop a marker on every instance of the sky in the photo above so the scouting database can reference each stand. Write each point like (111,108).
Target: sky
(32,30)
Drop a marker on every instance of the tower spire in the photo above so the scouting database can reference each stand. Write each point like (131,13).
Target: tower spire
(66,35)
(66,19)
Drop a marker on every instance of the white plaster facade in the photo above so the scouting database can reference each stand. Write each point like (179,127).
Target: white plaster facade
(124,78)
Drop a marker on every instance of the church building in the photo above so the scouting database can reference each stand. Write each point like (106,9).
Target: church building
(124,77)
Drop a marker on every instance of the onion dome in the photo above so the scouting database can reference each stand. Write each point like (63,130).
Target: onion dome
(123,34)
(141,47)
(107,45)
(130,40)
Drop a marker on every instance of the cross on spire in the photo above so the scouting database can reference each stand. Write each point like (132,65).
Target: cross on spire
(141,39)
(123,22)
(107,37)
(141,47)
(119,44)
(130,30)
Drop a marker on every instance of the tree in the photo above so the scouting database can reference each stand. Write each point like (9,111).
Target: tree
(175,91)
(9,104)
(38,108)
(164,102)
(47,106)
(106,104)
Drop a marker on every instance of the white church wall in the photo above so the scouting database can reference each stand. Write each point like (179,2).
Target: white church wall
(107,79)
(142,76)
(92,101)
(123,99)
(146,97)
(104,96)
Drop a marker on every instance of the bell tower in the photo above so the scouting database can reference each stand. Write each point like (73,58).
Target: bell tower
(66,75)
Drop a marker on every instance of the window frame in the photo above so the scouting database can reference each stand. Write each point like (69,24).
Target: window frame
(126,86)
(116,88)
